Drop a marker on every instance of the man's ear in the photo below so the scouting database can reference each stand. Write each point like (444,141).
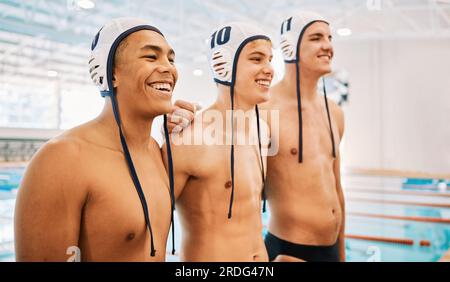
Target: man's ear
(114,80)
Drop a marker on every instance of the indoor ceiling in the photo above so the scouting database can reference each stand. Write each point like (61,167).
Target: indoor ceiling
(50,39)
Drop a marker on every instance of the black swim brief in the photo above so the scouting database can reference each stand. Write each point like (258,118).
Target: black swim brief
(276,246)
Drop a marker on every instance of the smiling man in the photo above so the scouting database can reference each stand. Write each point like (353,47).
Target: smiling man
(102,187)
(218,196)
(304,190)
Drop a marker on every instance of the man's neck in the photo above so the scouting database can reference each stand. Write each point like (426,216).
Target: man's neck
(223,105)
(308,83)
(223,101)
(136,129)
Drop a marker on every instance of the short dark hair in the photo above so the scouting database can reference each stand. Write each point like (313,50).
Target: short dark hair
(119,51)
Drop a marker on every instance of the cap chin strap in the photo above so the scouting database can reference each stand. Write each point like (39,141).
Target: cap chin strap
(261,159)
(135,177)
(299,102)
(111,93)
(300,118)
(232,84)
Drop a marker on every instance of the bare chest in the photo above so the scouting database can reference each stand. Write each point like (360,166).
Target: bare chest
(113,214)
(316,134)
(212,172)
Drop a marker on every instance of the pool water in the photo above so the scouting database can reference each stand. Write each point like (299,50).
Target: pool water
(9,183)
(378,208)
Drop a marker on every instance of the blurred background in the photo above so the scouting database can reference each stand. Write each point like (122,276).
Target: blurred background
(391,77)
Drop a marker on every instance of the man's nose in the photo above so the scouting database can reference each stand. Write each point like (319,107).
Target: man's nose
(268,69)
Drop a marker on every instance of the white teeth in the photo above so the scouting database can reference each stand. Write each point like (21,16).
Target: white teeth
(161,86)
(263,82)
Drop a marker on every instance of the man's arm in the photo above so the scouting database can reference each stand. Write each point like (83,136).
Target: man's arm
(342,204)
(337,173)
(49,204)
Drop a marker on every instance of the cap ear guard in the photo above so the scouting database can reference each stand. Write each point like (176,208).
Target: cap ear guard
(221,56)
(291,33)
(97,63)
(288,41)
(97,70)
(221,64)
(288,49)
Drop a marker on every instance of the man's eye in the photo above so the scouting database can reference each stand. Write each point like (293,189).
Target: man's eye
(172,61)
(256,59)
(315,39)
(153,57)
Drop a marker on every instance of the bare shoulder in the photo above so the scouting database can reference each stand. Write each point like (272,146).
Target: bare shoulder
(335,109)
(62,149)
(73,143)
(182,144)
(57,166)
(338,115)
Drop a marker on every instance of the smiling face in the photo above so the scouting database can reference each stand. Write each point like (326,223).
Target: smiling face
(254,72)
(316,50)
(145,74)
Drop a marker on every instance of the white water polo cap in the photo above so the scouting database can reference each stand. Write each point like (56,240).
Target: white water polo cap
(104,46)
(101,64)
(291,35)
(225,46)
(292,30)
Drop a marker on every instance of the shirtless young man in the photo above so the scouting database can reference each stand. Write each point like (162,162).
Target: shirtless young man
(304,190)
(77,190)
(221,214)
